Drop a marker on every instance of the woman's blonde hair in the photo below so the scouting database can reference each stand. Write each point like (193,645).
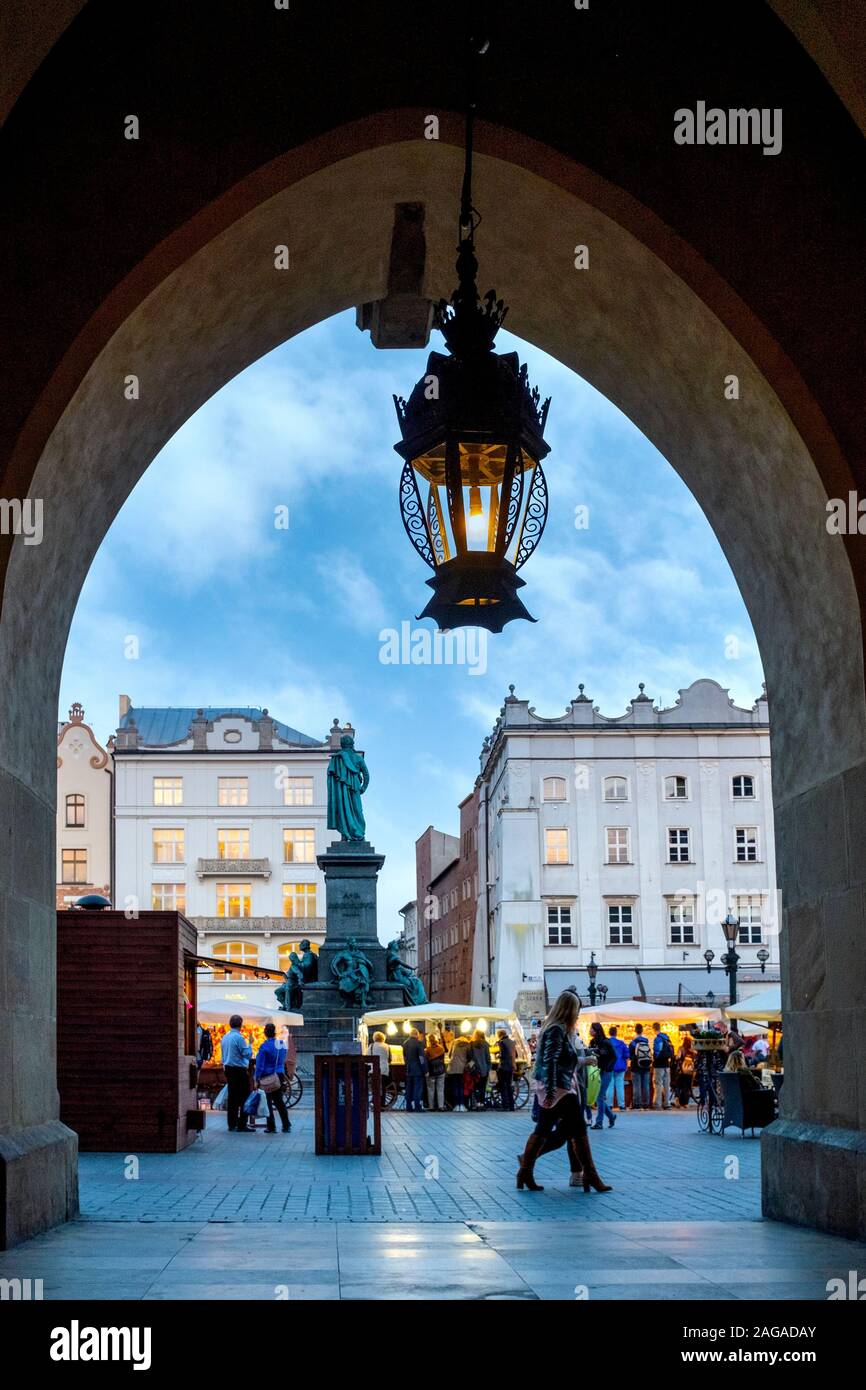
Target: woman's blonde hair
(565,1011)
(378,1037)
(736,1062)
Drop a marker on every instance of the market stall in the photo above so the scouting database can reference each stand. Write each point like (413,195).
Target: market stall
(624,1014)
(763,1011)
(451,1020)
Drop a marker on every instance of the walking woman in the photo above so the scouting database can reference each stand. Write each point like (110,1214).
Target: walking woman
(270,1069)
(560,1112)
(606,1055)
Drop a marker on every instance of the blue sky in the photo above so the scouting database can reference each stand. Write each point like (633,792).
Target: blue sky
(228,609)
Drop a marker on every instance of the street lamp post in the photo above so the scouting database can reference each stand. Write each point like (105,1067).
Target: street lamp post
(730,960)
(592,971)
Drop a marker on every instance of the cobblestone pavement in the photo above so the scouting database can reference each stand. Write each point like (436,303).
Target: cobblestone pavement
(261,1217)
(451,1167)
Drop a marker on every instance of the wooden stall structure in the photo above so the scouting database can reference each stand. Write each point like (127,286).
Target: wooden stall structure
(126,1018)
(348,1103)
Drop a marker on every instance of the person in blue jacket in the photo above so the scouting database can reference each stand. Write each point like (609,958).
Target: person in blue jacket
(271,1061)
(617,1085)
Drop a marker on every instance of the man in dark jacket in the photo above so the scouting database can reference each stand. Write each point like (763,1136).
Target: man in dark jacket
(416,1070)
(663,1056)
(617,1085)
(505,1070)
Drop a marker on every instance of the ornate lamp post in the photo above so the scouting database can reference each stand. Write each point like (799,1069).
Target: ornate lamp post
(730,960)
(473,494)
(592,971)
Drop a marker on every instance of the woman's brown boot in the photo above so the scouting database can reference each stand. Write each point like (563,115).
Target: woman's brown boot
(534,1146)
(590,1175)
(574,1163)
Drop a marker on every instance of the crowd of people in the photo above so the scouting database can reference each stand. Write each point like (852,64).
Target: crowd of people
(245,1074)
(448,1071)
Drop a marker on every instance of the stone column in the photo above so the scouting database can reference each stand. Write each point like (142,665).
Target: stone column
(813,1169)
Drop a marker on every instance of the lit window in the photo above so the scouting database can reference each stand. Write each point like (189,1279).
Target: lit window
(298,791)
(73,866)
(744,788)
(232,791)
(559,926)
(241,952)
(233,899)
(556,846)
(168,846)
(285,951)
(747,844)
(168,897)
(681,920)
(676,789)
(748,909)
(75,811)
(233,844)
(299,899)
(168,791)
(299,846)
(678,846)
(620,924)
(554,789)
(616,789)
(617,844)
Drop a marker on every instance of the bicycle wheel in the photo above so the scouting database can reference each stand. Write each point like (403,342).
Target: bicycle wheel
(389,1094)
(294,1091)
(521,1092)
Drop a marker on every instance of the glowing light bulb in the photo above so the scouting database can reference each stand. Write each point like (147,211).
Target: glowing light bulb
(391,1028)
(466,1026)
(407,1026)
(482,1024)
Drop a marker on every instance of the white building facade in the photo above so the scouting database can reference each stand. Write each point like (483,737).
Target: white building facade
(220,814)
(84,774)
(629,838)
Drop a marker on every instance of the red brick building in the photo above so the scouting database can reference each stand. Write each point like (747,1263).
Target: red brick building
(447,893)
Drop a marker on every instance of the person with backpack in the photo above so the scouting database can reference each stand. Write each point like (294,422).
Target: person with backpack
(685,1071)
(663,1056)
(617,1085)
(641,1059)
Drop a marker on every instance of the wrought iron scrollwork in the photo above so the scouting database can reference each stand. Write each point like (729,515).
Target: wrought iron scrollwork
(437,540)
(515,499)
(534,518)
(412,512)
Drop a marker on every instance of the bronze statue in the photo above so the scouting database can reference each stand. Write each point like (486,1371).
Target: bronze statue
(348,779)
(291,992)
(309,963)
(399,973)
(353,972)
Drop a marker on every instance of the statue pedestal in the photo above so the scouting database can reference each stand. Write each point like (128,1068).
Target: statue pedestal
(351,869)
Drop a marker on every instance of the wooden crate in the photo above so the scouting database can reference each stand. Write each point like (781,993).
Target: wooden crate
(348,1096)
(125,1037)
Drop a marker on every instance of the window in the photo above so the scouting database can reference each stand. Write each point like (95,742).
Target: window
(747,844)
(681,921)
(298,791)
(299,845)
(73,865)
(242,952)
(556,846)
(233,844)
(233,899)
(299,899)
(676,789)
(616,789)
(466,929)
(748,909)
(168,897)
(168,846)
(554,789)
(75,811)
(559,926)
(168,791)
(678,846)
(617,844)
(232,791)
(620,926)
(743,788)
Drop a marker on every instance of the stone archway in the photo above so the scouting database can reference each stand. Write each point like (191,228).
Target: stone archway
(657,330)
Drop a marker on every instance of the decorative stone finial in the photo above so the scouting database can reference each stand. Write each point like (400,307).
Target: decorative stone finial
(76,713)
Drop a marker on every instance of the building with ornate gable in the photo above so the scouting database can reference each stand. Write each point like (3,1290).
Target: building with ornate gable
(84,822)
(628,838)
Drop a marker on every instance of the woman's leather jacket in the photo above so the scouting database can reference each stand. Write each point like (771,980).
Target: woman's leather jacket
(555,1060)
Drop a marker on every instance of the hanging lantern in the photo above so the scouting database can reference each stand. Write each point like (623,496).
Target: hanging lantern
(473,494)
